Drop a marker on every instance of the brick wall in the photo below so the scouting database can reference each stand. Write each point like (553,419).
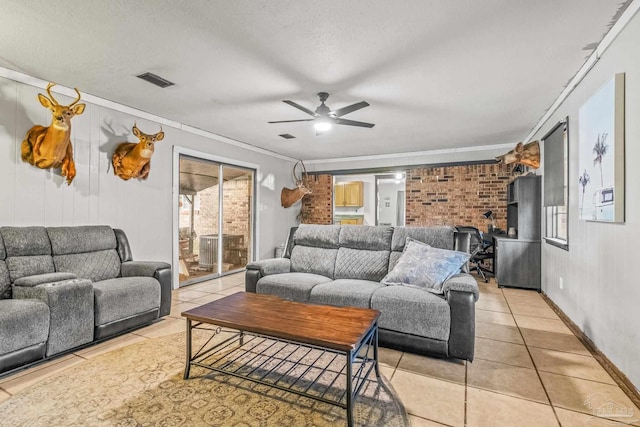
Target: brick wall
(457,195)
(316,207)
(454,195)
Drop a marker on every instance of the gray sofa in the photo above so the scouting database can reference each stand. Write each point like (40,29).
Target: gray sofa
(343,266)
(64,287)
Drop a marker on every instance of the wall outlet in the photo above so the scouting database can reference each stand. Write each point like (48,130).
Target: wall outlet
(560,283)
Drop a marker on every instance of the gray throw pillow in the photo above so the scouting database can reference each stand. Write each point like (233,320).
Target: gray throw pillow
(425,267)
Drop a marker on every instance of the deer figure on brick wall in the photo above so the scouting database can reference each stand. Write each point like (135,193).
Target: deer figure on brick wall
(524,154)
(288,197)
(50,147)
(133,159)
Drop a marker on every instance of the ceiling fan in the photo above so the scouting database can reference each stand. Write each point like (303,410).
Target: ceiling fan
(324,117)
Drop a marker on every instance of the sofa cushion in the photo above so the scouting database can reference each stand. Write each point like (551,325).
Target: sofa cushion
(117,299)
(25,241)
(438,237)
(344,292)
(422,266)
(319,236)
(5,281)
(361,264)
(39,279)
(291,286)
(307,259)
(21,266)
(412,311)
(393,259)
(24,323)
(95,266)
(75,240)
(371,238)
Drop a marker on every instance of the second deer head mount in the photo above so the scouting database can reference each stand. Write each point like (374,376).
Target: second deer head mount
(288,197)
(133,159)
(50,147)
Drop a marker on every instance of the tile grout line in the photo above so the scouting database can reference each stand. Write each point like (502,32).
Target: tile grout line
(546,393)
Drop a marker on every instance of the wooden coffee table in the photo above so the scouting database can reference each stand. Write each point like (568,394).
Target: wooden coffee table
(274,338)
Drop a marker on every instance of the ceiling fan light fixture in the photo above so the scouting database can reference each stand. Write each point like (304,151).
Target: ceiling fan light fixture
(322,125)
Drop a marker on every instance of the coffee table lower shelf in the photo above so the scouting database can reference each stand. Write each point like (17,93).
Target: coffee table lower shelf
(326,375)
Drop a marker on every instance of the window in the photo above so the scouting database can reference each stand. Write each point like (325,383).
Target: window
(556,185)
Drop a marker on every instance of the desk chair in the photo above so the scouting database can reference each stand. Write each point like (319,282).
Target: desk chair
(480,249)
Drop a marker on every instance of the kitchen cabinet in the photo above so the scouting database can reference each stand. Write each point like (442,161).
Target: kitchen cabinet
(350,194)
(353,221)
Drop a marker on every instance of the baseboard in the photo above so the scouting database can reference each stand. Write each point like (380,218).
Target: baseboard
(618,376)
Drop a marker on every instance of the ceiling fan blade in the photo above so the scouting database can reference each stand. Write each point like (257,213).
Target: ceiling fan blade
(301,108)
(353,123)
(290,121)
(349,109)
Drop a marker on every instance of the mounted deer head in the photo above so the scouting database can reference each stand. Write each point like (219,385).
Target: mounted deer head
(525,154)
(133,160)
(288,197)
(50,147)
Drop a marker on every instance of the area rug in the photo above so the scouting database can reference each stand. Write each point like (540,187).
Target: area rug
(142,385)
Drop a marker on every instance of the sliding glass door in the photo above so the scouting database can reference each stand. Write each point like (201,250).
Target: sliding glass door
(215,234)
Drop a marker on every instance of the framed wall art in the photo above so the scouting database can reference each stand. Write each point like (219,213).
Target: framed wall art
(601,154)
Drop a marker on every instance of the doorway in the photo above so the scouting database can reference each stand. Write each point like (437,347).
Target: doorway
(215,219)
(390,192)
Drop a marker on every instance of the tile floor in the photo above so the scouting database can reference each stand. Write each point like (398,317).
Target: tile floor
(529,369)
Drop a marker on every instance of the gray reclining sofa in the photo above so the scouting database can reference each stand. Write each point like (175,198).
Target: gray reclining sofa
(64,287)
(343,266)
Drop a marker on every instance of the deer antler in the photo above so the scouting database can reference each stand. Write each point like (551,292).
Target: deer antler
(51,98)
(77,99)
(303,173)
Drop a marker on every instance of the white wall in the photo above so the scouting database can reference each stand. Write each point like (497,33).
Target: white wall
(143,209)
(601,289)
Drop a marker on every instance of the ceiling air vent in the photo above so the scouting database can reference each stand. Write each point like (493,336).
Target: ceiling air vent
(156,80)
(287,136)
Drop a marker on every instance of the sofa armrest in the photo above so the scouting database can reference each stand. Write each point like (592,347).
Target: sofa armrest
(463,325)
(462,282)
(161,271)
(265,267)
(39,279)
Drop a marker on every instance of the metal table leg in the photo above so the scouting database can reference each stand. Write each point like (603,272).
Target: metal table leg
(349,389)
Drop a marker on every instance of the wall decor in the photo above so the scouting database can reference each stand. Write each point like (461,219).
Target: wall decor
(288,196)
(50,146)
(133,159)
(601,154)
(524,154)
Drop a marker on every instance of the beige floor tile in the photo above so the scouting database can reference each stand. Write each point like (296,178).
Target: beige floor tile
(387,372)
(388,356)
(166,326)
(231,291)
(542,324)
(554,341)
(573,365)
(4,395)
(430,398)
(444,369)
(109,345)
(492,297)
(495,317)
(485,408)
(498,332)
(587,396)
(577,419)
(534,300)
(177,307)
(207,298)
(503,352)
(506,379)
(533,310)
(17,383)
(421,422)
(491,305)
(517,292)
(185,294)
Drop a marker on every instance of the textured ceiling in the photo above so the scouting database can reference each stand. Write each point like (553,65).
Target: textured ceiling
(438,74)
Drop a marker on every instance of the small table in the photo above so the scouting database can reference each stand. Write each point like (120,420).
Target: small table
(270,323)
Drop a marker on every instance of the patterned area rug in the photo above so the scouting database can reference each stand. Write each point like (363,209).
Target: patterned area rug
(142,385)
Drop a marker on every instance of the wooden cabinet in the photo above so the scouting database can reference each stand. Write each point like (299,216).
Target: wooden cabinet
(517,259)
(353,221)
(349,194)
